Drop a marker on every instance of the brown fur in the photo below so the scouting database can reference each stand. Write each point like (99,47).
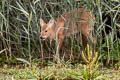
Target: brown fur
(69,24)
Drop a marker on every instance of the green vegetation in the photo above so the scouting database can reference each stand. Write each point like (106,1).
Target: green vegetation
(24,56)
(63,71)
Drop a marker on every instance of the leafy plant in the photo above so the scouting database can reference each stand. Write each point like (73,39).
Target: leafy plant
(89,59)
(89,71)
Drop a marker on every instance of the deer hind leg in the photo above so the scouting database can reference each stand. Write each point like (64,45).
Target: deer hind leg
(84,41)
(87,37)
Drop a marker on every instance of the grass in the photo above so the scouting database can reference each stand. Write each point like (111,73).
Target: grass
(61,71)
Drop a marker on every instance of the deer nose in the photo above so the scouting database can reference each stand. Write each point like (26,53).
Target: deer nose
(41,37)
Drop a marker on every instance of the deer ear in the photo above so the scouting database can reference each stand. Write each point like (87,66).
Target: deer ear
(41,22)
(51,22)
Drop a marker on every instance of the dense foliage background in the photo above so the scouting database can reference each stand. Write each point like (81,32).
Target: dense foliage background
(20,29)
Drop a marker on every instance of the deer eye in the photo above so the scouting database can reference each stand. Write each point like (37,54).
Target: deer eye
(45,30)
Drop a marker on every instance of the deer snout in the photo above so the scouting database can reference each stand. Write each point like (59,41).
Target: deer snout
(41,37)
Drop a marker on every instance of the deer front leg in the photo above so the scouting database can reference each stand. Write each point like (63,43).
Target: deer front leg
(59,44)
